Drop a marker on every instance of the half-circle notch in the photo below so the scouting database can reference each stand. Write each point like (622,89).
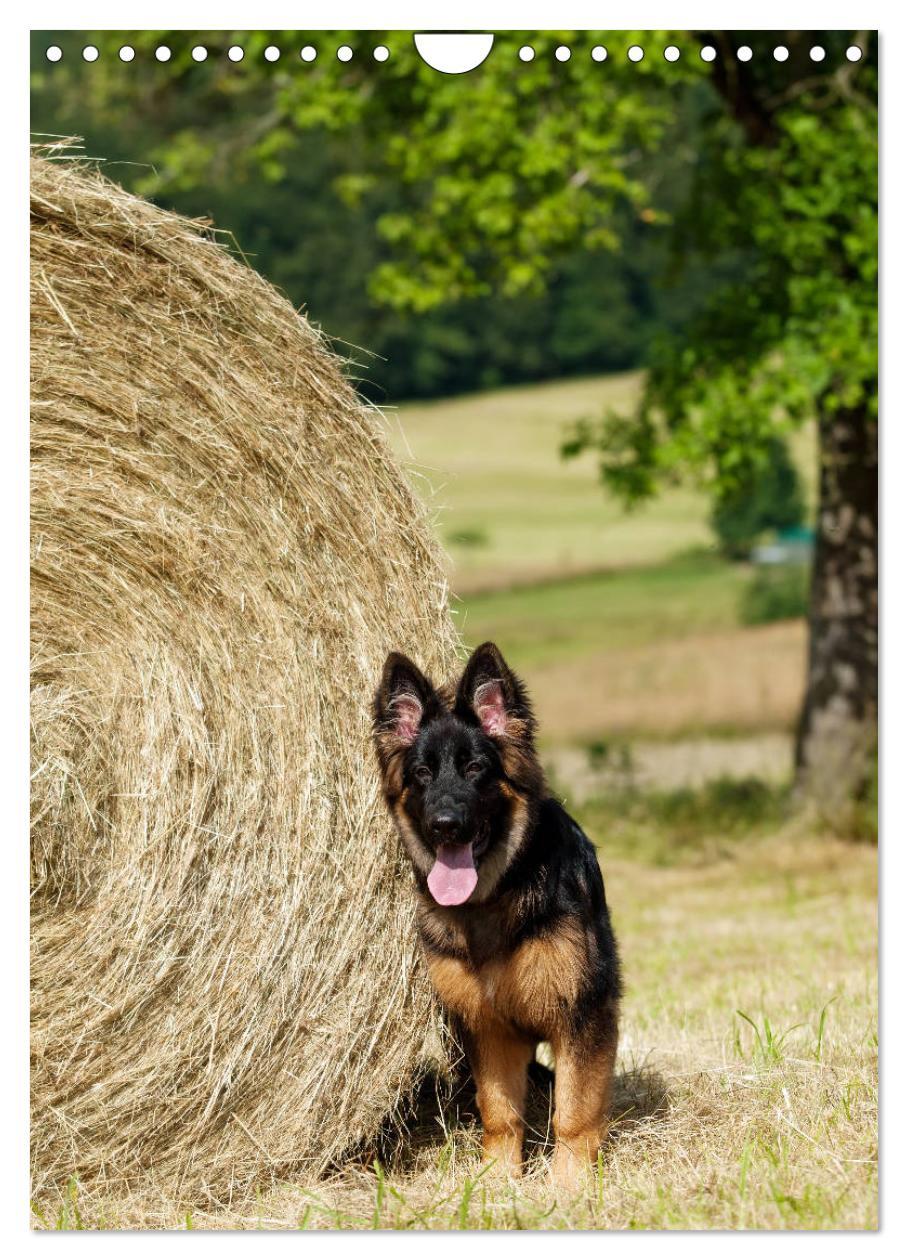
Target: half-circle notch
(453,54)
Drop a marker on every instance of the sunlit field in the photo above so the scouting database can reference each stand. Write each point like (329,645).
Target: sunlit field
(508,510)
(747,1084)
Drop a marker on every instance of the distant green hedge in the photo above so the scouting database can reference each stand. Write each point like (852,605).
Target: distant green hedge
(775,593)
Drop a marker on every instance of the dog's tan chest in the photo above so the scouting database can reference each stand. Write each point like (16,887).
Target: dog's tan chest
(529,987)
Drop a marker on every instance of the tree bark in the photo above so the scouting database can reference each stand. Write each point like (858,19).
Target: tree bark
(837,732)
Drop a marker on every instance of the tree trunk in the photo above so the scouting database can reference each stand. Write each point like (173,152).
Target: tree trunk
(838,726)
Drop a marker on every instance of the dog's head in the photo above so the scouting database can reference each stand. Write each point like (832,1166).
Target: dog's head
(460,771)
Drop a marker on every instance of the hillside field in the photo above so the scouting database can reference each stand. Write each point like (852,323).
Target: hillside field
(623,623)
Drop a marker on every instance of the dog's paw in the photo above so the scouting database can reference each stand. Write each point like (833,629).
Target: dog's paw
(573,1171)
(502,1162)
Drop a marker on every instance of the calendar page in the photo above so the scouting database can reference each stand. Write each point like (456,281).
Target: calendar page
(454,629)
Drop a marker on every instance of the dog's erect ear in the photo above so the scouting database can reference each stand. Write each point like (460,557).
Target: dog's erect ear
(404,697)
(494,695)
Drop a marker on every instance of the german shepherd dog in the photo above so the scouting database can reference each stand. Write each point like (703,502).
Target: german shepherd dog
(511,907)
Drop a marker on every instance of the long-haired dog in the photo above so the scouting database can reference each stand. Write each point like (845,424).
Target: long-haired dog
(511,906)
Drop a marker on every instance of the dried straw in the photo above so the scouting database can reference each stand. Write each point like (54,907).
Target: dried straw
(226,986)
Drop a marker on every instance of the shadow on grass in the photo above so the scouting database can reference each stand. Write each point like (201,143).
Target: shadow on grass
(444,1113)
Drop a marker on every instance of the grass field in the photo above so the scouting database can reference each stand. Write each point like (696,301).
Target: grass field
(508,509)
(654,650)
(747,1064)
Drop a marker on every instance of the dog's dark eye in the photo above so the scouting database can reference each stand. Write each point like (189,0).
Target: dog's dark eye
(473,770)
(422,774)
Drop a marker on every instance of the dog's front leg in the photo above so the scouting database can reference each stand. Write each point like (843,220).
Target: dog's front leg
(584,1070)
(499,1061)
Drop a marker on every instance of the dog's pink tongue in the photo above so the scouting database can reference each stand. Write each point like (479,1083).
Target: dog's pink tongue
(453,877)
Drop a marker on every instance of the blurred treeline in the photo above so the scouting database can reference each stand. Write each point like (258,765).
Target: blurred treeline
(296,222)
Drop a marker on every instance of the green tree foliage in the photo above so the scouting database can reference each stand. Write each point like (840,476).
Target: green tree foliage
(305,164)
(771,499)
(512,222)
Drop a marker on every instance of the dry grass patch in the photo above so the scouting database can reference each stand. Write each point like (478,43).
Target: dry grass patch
(746,679)
(587,771)
(762,1119)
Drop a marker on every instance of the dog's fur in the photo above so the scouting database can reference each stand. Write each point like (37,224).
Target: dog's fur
(529,955)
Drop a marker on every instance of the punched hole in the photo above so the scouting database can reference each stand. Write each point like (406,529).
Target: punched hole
(453,54)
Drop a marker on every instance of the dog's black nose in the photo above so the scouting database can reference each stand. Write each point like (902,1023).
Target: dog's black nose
(445,827)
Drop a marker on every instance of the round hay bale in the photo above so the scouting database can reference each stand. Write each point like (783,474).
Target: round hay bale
(225,977)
